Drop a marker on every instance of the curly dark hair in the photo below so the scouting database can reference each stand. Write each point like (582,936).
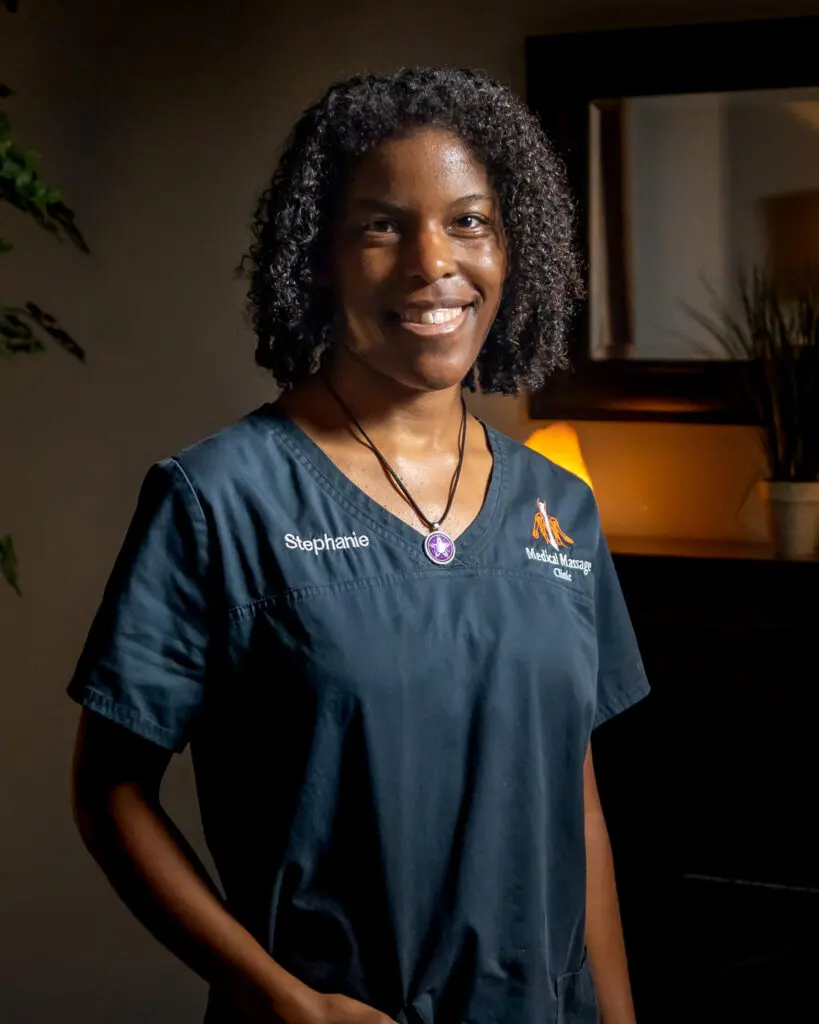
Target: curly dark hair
(293,312)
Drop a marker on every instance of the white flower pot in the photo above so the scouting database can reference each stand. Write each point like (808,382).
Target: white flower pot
(793,516)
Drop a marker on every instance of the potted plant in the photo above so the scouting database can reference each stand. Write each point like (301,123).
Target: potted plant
(778,336)
(24,325)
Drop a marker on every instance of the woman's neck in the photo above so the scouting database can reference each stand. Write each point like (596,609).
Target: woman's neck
(403,418)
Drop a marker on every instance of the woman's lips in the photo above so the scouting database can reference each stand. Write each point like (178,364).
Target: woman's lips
(432,323)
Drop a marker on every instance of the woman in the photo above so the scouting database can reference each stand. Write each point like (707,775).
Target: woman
(386,629)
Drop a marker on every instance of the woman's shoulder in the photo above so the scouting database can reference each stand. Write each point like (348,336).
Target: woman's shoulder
(248,449)
(522,460)
(533,477)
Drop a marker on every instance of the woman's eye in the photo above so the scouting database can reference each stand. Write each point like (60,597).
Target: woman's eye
(380,226)
(470,221)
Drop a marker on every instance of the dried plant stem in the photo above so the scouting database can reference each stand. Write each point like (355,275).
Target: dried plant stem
(780,340)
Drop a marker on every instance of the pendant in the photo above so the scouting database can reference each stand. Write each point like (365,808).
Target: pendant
(439,547)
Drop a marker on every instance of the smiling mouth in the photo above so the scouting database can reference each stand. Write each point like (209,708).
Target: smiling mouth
(432,316)
(432,322)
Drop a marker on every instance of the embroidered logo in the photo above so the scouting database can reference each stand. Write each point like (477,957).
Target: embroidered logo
(547,528)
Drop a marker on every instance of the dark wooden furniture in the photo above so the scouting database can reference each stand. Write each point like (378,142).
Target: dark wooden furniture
(710,785)
(565,74)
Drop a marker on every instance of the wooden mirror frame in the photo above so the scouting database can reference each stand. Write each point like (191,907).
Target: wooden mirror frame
(565,73)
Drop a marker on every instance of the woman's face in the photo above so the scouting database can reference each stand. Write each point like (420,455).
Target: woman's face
(419,260)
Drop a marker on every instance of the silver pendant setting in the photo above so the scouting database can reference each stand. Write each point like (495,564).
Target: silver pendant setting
(439,547)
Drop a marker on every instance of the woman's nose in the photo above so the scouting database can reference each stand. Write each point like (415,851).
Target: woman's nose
(429,253)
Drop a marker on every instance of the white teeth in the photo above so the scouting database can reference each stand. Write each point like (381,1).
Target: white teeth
(432,316)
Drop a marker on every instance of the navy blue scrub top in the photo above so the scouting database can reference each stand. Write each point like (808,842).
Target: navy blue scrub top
(388,752)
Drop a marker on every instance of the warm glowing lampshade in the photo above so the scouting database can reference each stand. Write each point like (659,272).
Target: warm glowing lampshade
(559,442)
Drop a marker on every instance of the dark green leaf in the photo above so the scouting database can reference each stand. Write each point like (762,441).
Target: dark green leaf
(13,326)
(18,338)
(21,348)
(63,216)
(21,185)
(8,564)
(5,245)
(49,324)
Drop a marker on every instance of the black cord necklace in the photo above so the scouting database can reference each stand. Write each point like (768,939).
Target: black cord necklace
(439,547)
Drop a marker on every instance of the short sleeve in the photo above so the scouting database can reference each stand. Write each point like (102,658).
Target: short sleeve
(621,678)
(146,656)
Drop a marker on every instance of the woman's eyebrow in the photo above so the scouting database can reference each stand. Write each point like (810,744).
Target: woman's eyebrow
(371,203)
(475,197)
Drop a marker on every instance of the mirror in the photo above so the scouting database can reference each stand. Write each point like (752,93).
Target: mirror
(693,154)
(730,179)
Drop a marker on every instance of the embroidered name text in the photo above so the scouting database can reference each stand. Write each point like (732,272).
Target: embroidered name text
(327,543)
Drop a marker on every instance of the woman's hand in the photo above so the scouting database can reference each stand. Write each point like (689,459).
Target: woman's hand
(305,1007)
(335,1009)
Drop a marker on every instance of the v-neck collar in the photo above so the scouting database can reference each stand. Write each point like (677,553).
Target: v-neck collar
(468,543)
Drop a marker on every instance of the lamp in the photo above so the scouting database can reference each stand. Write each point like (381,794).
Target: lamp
(560,443)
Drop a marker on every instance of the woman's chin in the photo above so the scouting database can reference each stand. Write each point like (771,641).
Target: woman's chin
(421,364)
(433,374)
(419,370)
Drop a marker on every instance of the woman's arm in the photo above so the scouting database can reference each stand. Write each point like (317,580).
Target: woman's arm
(604,932)
(155,872)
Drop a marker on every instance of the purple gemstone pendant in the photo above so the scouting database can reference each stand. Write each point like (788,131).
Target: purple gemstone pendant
(439,548)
